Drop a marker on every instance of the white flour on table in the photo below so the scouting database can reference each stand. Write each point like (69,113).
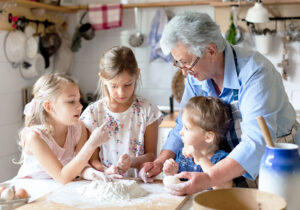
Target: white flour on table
(69,195)
(112,191)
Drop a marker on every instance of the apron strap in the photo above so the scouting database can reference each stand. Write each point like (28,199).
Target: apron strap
(290,137)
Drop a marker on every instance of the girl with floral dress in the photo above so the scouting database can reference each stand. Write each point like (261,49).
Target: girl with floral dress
(132,120)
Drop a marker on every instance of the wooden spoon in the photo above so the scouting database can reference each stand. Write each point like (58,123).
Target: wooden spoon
(265,130)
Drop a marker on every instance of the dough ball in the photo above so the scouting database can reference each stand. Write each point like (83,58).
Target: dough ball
(168,180)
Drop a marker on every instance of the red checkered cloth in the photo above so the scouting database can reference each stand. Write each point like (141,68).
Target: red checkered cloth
(105,16)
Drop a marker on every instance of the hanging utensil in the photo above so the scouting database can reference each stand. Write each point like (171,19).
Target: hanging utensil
(137,38)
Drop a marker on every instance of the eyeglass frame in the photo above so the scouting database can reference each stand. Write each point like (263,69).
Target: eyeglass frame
(187,68)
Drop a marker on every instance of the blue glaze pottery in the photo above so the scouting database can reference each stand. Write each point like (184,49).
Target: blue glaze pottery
(279,173)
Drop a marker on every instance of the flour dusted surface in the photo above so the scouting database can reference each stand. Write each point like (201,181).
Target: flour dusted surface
(112,191)
(157,198)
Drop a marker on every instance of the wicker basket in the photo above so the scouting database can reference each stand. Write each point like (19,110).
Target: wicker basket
(178,83)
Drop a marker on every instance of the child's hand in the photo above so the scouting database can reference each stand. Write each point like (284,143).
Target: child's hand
(189,151)
(124,163)
(113,171)
(99,136)
(170,167)
(97,165)
(90,173)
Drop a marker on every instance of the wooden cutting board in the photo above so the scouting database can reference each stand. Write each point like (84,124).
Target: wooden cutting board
(157,198)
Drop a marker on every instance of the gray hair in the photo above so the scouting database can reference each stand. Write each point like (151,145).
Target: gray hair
(194,29)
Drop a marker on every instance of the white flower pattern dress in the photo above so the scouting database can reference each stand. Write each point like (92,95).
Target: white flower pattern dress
(126,129)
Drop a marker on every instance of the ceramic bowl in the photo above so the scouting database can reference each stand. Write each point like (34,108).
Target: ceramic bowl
(238,198)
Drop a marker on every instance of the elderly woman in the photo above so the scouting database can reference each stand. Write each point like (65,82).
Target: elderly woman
(244,79)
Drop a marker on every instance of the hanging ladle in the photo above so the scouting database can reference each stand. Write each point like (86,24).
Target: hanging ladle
(137,38)
(265,130)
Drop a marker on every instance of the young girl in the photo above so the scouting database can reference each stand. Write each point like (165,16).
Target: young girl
(53,133)
(132,120)
(205,123)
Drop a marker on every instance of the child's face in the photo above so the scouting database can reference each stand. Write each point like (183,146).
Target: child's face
(67,108)
(192,134)
(121,88)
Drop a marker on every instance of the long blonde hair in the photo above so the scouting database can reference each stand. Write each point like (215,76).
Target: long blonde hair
(113,62)
(210,114)
(47,87)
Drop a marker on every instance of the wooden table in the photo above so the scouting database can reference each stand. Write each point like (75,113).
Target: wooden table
(61,198)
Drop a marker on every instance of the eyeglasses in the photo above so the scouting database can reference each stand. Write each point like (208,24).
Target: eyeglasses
(178,65)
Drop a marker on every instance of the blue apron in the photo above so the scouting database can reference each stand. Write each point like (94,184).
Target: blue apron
(233,136)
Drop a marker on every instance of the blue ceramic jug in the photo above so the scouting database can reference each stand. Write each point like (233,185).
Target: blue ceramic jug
(279,173)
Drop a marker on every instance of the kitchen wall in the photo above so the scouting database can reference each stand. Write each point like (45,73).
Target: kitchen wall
(11,106)
(156,77)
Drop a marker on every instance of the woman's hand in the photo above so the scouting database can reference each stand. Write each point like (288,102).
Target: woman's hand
(170,167)
(197,181)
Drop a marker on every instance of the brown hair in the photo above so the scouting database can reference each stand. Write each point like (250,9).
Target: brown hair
(113,62)
(210,114)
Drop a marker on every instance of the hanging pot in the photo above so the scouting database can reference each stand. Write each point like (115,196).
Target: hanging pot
(50,42)
(86,30)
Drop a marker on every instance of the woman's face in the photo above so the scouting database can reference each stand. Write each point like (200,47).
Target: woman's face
(121,88)
(201,69)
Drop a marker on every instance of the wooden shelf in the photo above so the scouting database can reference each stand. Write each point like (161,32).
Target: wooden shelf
(159,4)
(33,4)
(214,3)
(229,3)
(243,3)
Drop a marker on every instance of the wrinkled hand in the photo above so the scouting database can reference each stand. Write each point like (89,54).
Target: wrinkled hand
(170,167)
(149,170)
(197,181)
(143,175)
(90,173)
(99,136)
(124,163)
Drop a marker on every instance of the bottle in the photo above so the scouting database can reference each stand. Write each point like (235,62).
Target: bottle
(279,173)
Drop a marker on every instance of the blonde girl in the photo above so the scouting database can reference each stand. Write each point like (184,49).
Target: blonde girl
(53,133)
(205,123)
(132,120)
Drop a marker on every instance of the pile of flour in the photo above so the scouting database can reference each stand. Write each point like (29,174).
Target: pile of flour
(112,191)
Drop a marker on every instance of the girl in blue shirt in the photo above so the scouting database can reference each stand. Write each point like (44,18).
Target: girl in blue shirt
(205,123)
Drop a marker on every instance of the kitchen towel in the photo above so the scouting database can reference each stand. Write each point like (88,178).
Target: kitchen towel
(158,23)
(105,16)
